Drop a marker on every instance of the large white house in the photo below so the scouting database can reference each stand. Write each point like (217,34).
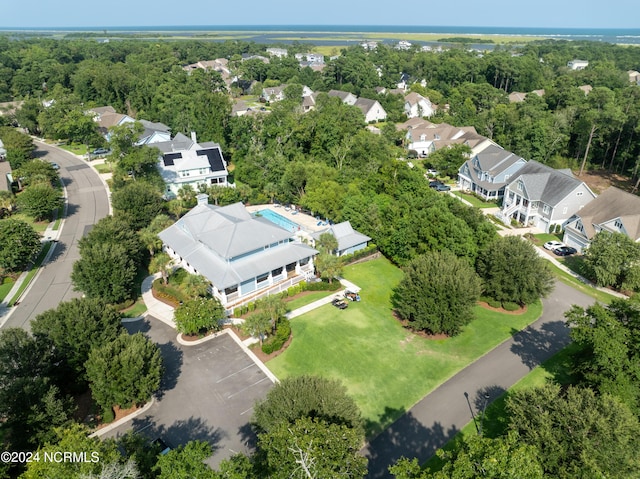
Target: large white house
(194,166)
(243,257)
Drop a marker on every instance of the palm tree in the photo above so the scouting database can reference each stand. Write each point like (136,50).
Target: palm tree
(327,243)
(196,285)
(273,306)
(161,263)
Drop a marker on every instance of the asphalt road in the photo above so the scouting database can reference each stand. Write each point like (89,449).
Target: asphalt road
(87,203)
(207,393)
(439,416)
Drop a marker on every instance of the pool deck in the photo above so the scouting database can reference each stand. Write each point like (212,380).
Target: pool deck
(308,223)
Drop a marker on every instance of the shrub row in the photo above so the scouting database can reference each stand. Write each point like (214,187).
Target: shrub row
(361,253)
(168,292)
(324,286)
(275,342)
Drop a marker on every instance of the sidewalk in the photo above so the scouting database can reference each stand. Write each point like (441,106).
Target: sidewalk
(156,308)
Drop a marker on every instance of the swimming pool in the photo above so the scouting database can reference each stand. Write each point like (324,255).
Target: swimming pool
(279,220)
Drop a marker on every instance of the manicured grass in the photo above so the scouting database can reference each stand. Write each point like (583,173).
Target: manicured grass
(103,168)
(377,359)
(477,202)
(39,226)
(307,298)
(574,282)
(5,287)
(138,309)
(542,238)
(75,149)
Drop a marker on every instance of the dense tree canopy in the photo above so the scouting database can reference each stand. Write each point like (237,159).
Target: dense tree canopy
(438,293)
(612,259)
(138,203)
(105,271)
(306,396)
(125,371)
(19,243)
(39,201)
(609,354)
(578,433)
(199,315)
(511,270)
(74,328)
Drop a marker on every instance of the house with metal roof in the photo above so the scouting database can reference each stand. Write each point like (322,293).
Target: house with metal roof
(192,165)
(540,196)
(349,240)
(487,173)
(615,211)
(243,256)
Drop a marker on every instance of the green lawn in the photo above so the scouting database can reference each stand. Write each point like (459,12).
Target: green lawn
(39,226)
(477,202)
(103,168)
(138,309)
(310,297)
(385,368)
(5,287)
(75,148)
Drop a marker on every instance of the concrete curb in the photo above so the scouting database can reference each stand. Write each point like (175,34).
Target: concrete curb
(123,420)
(253,357)
(199,341)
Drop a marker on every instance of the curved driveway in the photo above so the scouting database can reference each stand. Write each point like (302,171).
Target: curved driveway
(441,414)
(87,202)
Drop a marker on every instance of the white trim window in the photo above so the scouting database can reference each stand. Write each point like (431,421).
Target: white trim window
(546,209)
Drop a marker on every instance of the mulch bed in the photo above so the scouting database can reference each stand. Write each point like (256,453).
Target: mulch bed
(173,304)
(522,310)
(257,350)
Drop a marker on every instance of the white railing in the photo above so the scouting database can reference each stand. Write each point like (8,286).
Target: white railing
(277,288)
(509,210)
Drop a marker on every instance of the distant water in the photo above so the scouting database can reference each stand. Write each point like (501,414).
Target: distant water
(269,32)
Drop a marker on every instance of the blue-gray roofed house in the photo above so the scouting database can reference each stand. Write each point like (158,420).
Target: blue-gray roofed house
(349,240)
(488,172)
(542,197)
(244,257)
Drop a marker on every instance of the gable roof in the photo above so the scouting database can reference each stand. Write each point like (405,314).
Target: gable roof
(494,159)
(543,183)
(345,234)
(610,205)
(194,159)
(365,104)
(414,98)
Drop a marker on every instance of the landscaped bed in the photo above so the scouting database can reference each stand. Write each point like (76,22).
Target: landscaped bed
(385,367)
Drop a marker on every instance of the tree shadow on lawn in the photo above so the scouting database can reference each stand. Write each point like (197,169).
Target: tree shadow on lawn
(537,345)
(406,437)
(489,417)
(180,432)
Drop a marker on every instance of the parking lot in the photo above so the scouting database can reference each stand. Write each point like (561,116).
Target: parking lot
(208,393)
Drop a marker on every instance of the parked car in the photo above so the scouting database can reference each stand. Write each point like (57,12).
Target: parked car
(56,166)
(101,151)
(340,303)
(552,245)
(565,251)
(439,186)
(351,295)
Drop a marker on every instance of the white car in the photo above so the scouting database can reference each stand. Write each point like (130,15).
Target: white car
(56,166)
(552,245)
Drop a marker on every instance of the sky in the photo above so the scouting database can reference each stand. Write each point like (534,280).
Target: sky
(500,13)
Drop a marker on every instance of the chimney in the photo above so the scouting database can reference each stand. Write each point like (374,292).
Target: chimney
(203,199)
(193,137)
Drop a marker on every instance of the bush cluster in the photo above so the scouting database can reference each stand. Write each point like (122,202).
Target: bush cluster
(166,291)
(361,253)
(275,342)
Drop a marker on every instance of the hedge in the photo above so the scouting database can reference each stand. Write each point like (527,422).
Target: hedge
(361,253)
(510,306)
(276,342)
